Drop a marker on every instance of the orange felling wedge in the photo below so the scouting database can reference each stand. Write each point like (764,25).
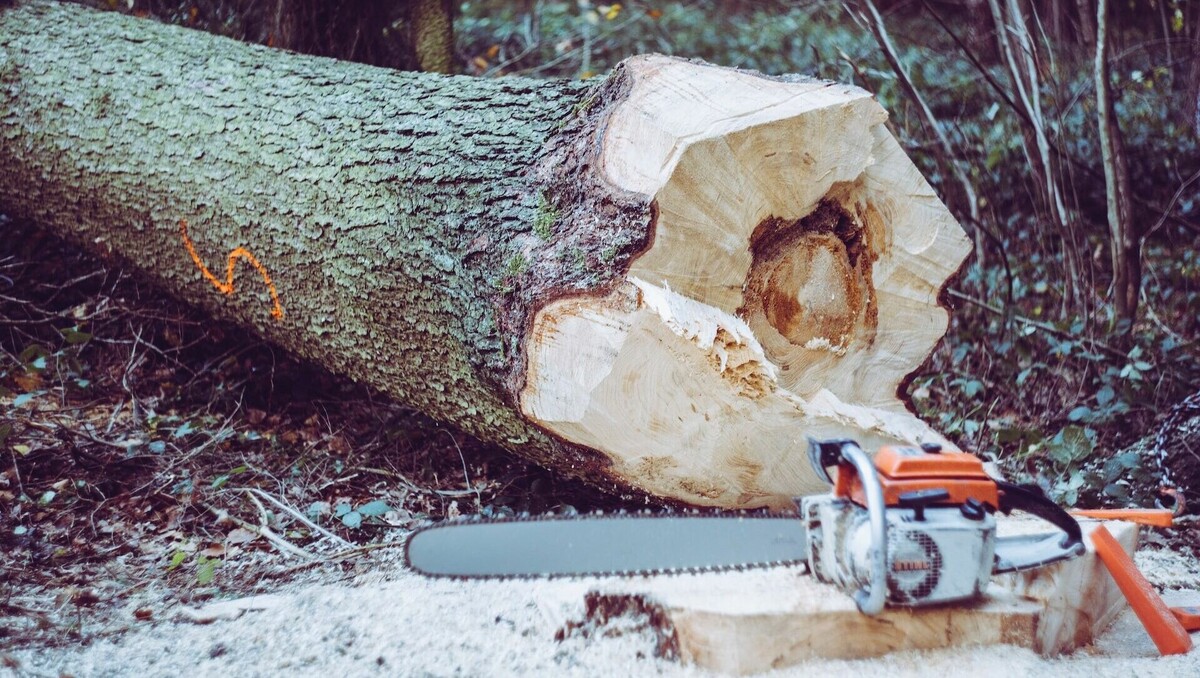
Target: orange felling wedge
(1166,630)
(1150,517)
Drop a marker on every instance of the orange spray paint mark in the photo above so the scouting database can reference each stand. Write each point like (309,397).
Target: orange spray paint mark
(226,287)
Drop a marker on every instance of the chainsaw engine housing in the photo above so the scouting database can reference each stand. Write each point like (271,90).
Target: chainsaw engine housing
(934,555)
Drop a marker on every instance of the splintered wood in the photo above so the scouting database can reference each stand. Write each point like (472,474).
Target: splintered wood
(790,287)
(748,622)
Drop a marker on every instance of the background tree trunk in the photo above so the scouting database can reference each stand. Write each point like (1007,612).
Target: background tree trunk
(661,283)
(1125,244)
(432,34)
(407,34)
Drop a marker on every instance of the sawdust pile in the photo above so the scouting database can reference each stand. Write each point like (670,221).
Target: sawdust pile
(391,622)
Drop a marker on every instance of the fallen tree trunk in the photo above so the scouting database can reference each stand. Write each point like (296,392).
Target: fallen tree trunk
(661,282)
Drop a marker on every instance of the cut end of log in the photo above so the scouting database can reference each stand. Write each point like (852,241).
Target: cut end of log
(791,285)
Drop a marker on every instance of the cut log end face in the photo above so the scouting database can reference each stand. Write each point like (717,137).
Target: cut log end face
(791,285)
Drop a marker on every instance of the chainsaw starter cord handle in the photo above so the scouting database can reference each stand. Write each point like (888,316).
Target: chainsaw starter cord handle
(871,601)
(1031,500)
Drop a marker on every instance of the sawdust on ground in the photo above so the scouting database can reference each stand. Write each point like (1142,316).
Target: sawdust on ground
(392,622)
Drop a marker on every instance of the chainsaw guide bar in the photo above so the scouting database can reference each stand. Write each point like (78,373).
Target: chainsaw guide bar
(592,545)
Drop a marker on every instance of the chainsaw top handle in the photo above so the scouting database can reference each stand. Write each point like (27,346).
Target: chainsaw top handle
(1031,499)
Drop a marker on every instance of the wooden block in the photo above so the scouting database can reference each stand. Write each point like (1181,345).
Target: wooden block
(1079,598)
(748,622)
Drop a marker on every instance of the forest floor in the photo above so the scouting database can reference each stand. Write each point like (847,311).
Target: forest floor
(157,467)
(373,617)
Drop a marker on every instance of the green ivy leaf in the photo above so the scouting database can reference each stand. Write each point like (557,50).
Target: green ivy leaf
(207,570)
(1115,467)
(1072,444)
(375,508)
(177,560)
(31,352)
(1117,491)
(970,427)
(972,388)
(73,336)
(26,398)
(183,430)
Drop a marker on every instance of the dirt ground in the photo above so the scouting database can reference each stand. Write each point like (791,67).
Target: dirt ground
(156,468)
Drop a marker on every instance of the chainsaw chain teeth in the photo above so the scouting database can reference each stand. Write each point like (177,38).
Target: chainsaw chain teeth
(692,514)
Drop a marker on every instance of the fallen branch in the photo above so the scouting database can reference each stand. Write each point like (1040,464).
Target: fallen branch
(281,544)
(296,514)
(410,485)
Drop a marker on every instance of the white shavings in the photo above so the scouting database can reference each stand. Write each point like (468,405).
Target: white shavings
(711,329)
(390,621)
(823,344)
(824,403)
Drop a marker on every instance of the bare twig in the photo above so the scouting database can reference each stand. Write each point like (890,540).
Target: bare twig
(58,425)
(408,484)
(213,438)
(281,544)
(943,149)
(466,476)
(16,471)
(135,361)
(332,558)
(1023,73)
(1124,242)
(1059,152)
(112,418)
(1179,193)
(1112,350)
(263,516)
(295,514)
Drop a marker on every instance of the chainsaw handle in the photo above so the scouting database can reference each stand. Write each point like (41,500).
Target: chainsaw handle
(870,600)
(1030,499)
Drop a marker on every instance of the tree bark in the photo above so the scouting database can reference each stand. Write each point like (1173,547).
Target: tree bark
(660,283)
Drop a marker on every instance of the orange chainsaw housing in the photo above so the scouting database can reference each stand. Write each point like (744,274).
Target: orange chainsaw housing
(910,469)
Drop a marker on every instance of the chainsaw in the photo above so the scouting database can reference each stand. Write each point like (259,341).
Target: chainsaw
(913,527)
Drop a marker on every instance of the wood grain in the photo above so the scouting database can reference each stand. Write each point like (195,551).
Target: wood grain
(742,623)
